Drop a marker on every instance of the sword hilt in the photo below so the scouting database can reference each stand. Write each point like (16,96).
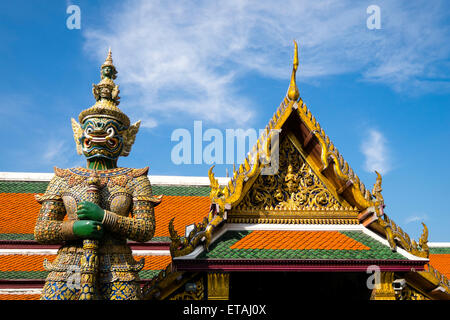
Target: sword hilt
(90,261)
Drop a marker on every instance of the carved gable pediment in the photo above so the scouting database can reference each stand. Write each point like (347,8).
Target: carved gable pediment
(294,187)
(295,194)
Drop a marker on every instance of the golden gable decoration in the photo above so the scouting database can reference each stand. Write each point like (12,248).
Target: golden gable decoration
(295,187)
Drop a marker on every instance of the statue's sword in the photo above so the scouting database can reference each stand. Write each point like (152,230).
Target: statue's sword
(90,260)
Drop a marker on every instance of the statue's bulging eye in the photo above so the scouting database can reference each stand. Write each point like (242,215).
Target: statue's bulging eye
(89,130)
(110,131)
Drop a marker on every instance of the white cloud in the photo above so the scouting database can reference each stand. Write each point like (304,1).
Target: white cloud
(376,153)
(178,58)
(416,218)
(61,153)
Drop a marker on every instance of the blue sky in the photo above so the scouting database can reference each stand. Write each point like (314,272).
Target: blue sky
(382,95)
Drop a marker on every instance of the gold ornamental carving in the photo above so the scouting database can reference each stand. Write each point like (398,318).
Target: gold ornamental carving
(384,290)
(295,187)
(218,286)
(197,293)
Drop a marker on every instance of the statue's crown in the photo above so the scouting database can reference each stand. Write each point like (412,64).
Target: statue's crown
(106,92)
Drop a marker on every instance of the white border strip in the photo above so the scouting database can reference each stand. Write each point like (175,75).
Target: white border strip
(20,291)
(25,176)
(439,244)
(183,181)
(137,252)
(292,227)
(28,252)
(156,180)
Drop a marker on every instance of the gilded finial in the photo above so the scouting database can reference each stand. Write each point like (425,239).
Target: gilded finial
(376,191)
(423,241)
(106,93)
(106,89)
(293,93)
(108,69)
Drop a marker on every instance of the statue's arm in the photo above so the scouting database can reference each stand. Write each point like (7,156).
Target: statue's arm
(50,227)
(141,225)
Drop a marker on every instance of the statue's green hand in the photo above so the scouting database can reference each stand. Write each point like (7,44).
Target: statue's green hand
(88,229)
(90,211)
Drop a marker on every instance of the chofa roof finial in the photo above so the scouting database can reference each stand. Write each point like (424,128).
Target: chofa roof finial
(293,93)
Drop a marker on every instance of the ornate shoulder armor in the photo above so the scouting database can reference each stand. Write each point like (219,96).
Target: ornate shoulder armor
(142,189)
(53,191)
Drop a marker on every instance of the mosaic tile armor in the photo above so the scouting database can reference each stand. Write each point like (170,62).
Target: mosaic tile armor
(126,196)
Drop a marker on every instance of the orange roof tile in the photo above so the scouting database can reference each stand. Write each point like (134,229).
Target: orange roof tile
(154,262)
(185,209)
(298,240)
(441,262)
(17,262)
(19,211)
(19,296)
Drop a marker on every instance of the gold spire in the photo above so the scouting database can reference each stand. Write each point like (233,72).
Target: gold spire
(106,92)
(108,60)
(109,63)
(293,93)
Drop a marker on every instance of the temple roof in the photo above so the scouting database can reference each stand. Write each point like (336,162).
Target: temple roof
(288,247)
(311,185)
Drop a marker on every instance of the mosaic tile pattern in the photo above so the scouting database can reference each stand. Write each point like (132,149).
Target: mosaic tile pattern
(441,262)
(298,240)
(222,249)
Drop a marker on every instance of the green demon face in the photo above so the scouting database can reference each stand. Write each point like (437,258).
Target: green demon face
(102,137)
(108,72)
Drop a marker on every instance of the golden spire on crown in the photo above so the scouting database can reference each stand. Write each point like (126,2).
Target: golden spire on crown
(293,93)
(109,63)
(106,92)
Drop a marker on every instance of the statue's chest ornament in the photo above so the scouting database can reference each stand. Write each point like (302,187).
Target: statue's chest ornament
(113,192)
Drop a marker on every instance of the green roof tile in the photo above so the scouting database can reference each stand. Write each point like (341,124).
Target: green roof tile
(42,275)
(9,275)
(22,187)
(441,250)
(148,274)
(40,187)
(198,191)
(221,250)
(30,236)
(16,236)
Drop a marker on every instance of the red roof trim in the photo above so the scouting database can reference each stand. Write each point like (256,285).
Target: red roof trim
(297,265)
(31,244)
